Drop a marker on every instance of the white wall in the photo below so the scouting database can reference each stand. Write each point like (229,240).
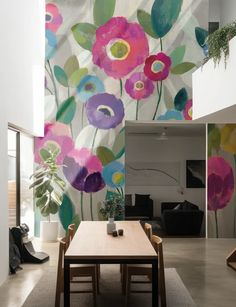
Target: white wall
(214,10)
(227,11)
(147,149)
(214,86)
(22,88)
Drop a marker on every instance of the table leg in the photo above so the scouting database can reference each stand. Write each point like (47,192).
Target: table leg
(66,284)
(155,294)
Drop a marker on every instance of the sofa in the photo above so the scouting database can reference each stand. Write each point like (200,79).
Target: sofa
(142,207)
(181,218)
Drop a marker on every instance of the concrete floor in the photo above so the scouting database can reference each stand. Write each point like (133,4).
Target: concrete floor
(199,262)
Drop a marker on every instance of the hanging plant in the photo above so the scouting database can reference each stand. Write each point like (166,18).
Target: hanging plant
(218,42)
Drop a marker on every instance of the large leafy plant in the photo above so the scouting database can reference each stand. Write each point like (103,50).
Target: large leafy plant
(48,185)
(218,42)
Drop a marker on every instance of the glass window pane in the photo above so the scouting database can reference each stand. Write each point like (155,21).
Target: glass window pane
(12,178)
(26,169)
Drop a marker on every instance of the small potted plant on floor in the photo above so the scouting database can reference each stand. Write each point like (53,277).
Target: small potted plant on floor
(48,190)
(112,207)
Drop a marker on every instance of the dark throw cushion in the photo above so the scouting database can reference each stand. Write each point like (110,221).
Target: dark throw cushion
(178,207)
(128,200)
(141,199)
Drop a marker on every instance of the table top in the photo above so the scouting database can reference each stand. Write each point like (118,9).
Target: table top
(91,241)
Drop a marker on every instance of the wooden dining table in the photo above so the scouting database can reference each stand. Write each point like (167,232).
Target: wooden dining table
(92,244)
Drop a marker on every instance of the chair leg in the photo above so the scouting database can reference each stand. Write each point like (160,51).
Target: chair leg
(94,286)
(162,292)
(128,285)
(97,280)
(123,278)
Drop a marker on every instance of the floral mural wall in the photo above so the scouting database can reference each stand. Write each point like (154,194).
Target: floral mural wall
(107,61)
(221,180)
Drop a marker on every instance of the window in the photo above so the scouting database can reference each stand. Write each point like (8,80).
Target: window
(20,167)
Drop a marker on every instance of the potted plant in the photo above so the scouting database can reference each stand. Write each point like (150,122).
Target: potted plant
(48,190)
(112,208)
(218,42)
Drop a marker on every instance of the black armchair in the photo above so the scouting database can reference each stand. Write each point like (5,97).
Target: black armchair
(181,218)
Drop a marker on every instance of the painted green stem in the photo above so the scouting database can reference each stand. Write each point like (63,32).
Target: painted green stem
(159,99)
(161,43)
(137,106)
(54,83)
(94,138)
(82,205)
(91,205)
(121,88)
(216,220)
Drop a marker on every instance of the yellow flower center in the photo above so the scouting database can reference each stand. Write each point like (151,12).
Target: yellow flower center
(118,49)
(118,178)
(139,85)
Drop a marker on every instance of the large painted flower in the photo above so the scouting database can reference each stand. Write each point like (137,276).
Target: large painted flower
(171,115)
(83,170)
(51,44)
(138,86)
(120,46)
(114,174)
(157,67)
(53,18)
(104,111)
(220,183)
(188,110)
(57,134)
(89,86)
(228,138)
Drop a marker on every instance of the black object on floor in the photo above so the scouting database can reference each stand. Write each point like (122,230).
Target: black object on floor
(25,246)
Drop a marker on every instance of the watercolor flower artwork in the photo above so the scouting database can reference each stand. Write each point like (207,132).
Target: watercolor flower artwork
(105,66)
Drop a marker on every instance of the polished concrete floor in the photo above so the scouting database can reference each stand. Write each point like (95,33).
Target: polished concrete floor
(199,262)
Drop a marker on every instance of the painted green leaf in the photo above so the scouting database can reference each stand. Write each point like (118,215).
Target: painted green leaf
(214,139)
(103,10)
(177,55)
(118,147)
(71,65)
(84,34)
(66,111)
(76,220)
(66,212)
(145,21)
(169,102)
(182,68)
(164,14)
(181,99)
(76,77)
(201,35)
(61,76)
(105,155)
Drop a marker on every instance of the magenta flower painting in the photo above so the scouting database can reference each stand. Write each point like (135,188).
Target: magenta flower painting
(57,134)
(157,67)
(104,111)
(120,46)
(53,18)
(83,170)
(138,86)
(220,183)
(187,112)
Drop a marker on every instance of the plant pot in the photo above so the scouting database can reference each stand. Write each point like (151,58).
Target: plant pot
(111,225)
(48,231)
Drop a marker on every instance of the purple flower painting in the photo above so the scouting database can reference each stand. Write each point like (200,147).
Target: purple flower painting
(157,67)
(104,111)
